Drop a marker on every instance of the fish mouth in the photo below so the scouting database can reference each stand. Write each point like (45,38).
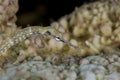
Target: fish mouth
(59,39)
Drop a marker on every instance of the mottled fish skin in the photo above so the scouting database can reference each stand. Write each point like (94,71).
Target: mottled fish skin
(26,33)
(22,35)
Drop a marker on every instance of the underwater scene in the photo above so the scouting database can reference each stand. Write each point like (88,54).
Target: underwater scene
(81,45)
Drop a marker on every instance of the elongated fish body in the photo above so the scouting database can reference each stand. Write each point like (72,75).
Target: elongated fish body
(22,35)
(27,32)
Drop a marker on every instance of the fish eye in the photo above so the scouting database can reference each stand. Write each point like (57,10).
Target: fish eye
(57,38)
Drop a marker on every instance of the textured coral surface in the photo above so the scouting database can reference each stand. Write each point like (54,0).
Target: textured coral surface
(93,27)
(101,67)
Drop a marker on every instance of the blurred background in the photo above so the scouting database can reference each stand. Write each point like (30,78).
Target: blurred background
(43,12)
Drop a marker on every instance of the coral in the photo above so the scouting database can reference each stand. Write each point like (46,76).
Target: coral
(100,67)
(8,9)
(93,27)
